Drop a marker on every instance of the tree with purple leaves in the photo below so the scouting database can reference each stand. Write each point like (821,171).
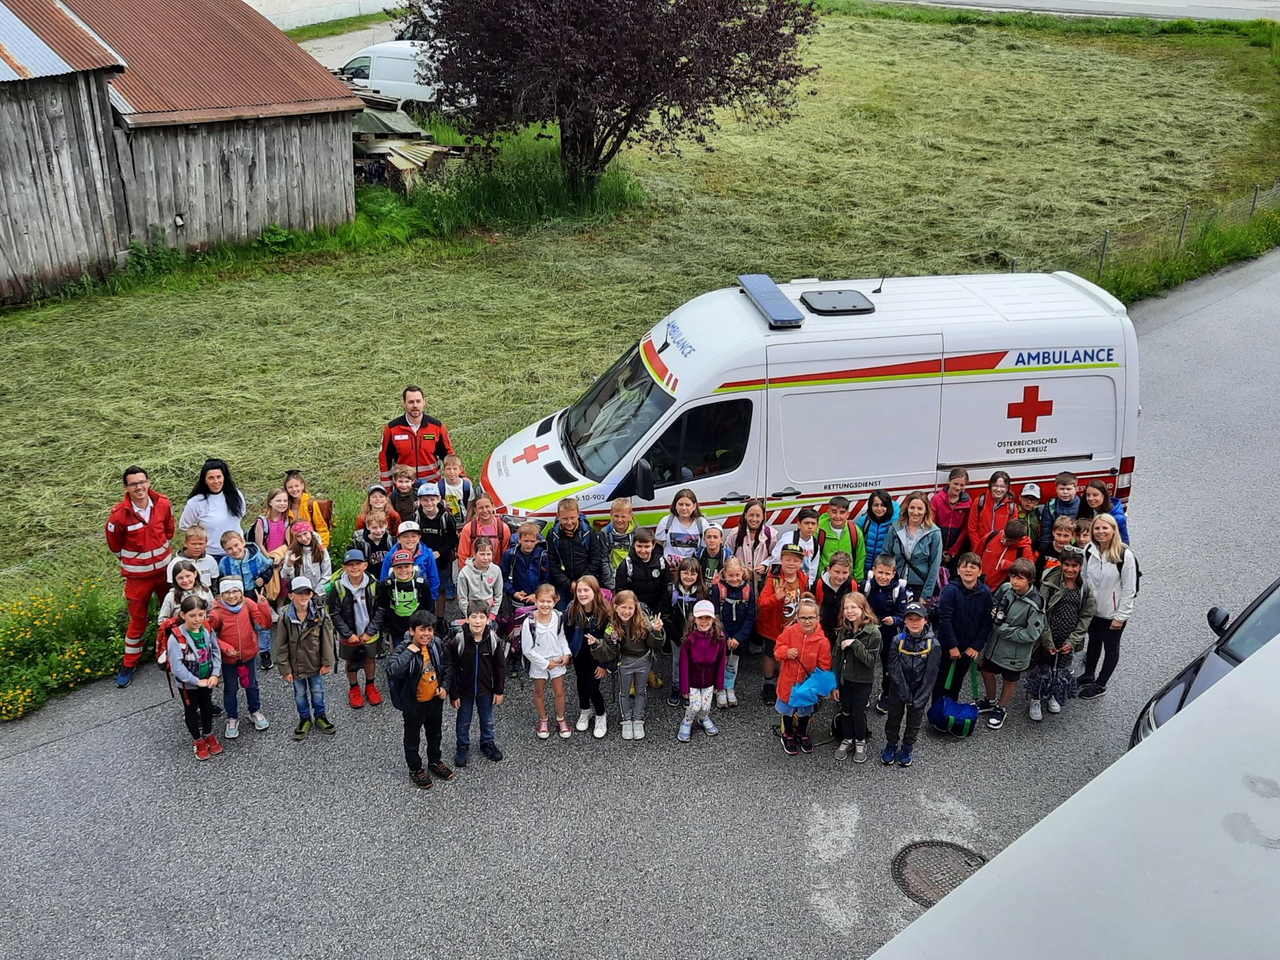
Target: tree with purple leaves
(613,72)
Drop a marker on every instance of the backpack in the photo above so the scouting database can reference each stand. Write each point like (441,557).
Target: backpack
(532,629)
(466,495)
(948,716)
(1137,584)
(724,592)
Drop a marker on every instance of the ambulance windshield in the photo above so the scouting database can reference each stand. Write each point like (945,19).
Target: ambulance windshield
(613,415)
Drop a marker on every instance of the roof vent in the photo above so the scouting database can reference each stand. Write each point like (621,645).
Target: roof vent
(837,303)
(769,299)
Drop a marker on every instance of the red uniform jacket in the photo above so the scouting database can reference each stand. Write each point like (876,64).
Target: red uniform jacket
(143,548)
(422,449)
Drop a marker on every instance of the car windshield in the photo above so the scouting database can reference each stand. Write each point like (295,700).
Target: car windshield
(608,420)
(1258,628)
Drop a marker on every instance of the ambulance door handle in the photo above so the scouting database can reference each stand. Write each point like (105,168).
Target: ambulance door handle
(786,492)
(732,497)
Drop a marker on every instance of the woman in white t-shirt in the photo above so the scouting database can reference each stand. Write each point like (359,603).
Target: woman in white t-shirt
(214,504)
(680,532)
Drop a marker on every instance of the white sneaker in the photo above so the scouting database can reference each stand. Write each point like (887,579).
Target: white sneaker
(1035,711)
(732,697)
(233,729)
(1054,705)
(601,727)
(260,721)
(722,699)
(584,720)
(628,729)
(639,730)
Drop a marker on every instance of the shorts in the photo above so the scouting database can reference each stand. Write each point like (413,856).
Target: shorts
(766,646)
(1010,676)
(542,673)
(356,653)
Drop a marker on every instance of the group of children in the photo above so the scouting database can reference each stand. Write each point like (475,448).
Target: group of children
(920,592)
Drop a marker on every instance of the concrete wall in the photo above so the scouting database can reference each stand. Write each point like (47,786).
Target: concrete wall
(295,13)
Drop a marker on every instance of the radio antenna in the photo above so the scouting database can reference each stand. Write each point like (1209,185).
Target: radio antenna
(882,279)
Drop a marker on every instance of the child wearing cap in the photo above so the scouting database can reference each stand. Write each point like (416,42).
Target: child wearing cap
(303,649)
(409,540)
(357,620)
(378,499)
(401,595)
(713,554)
(480,578)
(702,664)
(776,610)
(440,536)
(914,656)
(402,496)
(307,557)
(236,620)
(1029,512)
(805,537)
(1019,624)
(418,671)
(374,541)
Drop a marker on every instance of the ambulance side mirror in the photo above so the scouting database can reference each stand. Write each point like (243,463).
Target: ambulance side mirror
(1218,620)
(642,479)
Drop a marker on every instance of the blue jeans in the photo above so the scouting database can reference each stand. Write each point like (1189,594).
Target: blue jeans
(302,686)
(264,640)
(231,686)
(483,705)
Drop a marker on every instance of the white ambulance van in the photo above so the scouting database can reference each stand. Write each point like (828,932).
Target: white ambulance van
(797,392)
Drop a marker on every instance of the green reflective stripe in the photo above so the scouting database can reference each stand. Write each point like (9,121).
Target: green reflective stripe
(537,503)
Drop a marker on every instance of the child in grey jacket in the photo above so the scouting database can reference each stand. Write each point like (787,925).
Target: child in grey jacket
(480,578)
(1018,613)
(196,663)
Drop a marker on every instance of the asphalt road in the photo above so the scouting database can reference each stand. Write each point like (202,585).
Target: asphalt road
(117,843)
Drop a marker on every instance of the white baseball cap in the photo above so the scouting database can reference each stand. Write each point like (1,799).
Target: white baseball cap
(704,608)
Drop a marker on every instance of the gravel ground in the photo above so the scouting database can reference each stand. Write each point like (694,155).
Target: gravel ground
(119,844)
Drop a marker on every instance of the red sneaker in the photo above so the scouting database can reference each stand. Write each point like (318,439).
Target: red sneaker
(371,694)
(356,697)
(212,743)
(201,748)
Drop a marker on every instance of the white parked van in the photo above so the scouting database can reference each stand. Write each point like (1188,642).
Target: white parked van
(391,70)
(800,391)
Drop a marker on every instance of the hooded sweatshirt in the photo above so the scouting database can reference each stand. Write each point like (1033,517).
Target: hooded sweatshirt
(815,654)
(194,658)
(541,642)
(303,645)
(1115,586)
(477,584)
(856,663)
(913,667)
(1019,624)
(702,660)
(477,669)
(876,533)
(998,557)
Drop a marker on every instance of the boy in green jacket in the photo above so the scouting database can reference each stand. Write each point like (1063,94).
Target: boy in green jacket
(836,533)
(1018,613)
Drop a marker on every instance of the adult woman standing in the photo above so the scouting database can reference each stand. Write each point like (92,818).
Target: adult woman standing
(1097,501)
(215,504)
(916,546)
(1111,570)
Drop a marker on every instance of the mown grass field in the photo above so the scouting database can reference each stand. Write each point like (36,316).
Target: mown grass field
(920,147)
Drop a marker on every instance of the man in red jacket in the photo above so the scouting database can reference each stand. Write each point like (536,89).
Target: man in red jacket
(420,441)
(138,532)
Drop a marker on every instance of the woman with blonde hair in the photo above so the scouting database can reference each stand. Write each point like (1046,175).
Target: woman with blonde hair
(1111,570)
(915,543)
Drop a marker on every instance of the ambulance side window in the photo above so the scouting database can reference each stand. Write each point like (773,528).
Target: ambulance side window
(702,442)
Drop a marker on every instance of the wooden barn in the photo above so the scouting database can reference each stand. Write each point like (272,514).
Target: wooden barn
(178,123)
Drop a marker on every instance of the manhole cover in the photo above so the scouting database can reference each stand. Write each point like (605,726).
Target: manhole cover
(928,871)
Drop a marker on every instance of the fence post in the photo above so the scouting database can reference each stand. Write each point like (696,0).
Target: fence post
(1013,265)
(1182,234)
(1253,209)
(1102,259)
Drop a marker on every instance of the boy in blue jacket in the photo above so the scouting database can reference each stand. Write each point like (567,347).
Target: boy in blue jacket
(964,621)
(1065,504)
(524,566)
(888,597)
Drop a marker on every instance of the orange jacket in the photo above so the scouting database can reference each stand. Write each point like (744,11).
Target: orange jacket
(237,637)
(815,654)
(308,511)
(470,530)
(423,449)
(997,558)
(770,617)
(986,515)
(143,548)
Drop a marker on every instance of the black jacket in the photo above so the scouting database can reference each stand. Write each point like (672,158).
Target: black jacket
(476,669)
(650,581)
(964,616)
(404,670)
(439,533)
(570,557)
(342,608)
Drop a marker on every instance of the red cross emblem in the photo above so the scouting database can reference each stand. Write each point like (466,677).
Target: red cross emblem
(530,454)
(1031,409)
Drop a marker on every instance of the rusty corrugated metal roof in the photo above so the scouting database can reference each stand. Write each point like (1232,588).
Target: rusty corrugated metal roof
(42,38)
(190,61)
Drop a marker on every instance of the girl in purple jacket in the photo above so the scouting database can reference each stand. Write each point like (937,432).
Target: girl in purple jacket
(702,663)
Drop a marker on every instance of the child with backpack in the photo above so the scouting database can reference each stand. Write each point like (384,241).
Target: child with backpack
(357,615)
(800,649)
(544,645)
(1065,504)
(629,646)
(837,535)
(271,528)
(855,651)
(914,656)
(687,589)
(951,507)
(711,556)
(236,620)
(888,595)
(307,557)
(196,663)
(401,595)
(480,578)
(832,587)
(246,563)
(619,533)
(588,616)
(418,673)
(876,525)
(992,510)
(477,670)
(483,523)
(680,531)
(805,536)
(303,506)
(1018,624)
(1064,532)
(1001,552)
(524,566)
(645,573)
(304,651)
(439,535)
(752,541)
(455,489)
(702,665)
(374,541)
(964,623)
(187,582)
(1029,513)
(776,610)
(402,496)
(736,610)
(1069,606)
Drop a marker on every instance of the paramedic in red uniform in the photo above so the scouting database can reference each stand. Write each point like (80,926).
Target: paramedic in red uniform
(416,439)
(138,532)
